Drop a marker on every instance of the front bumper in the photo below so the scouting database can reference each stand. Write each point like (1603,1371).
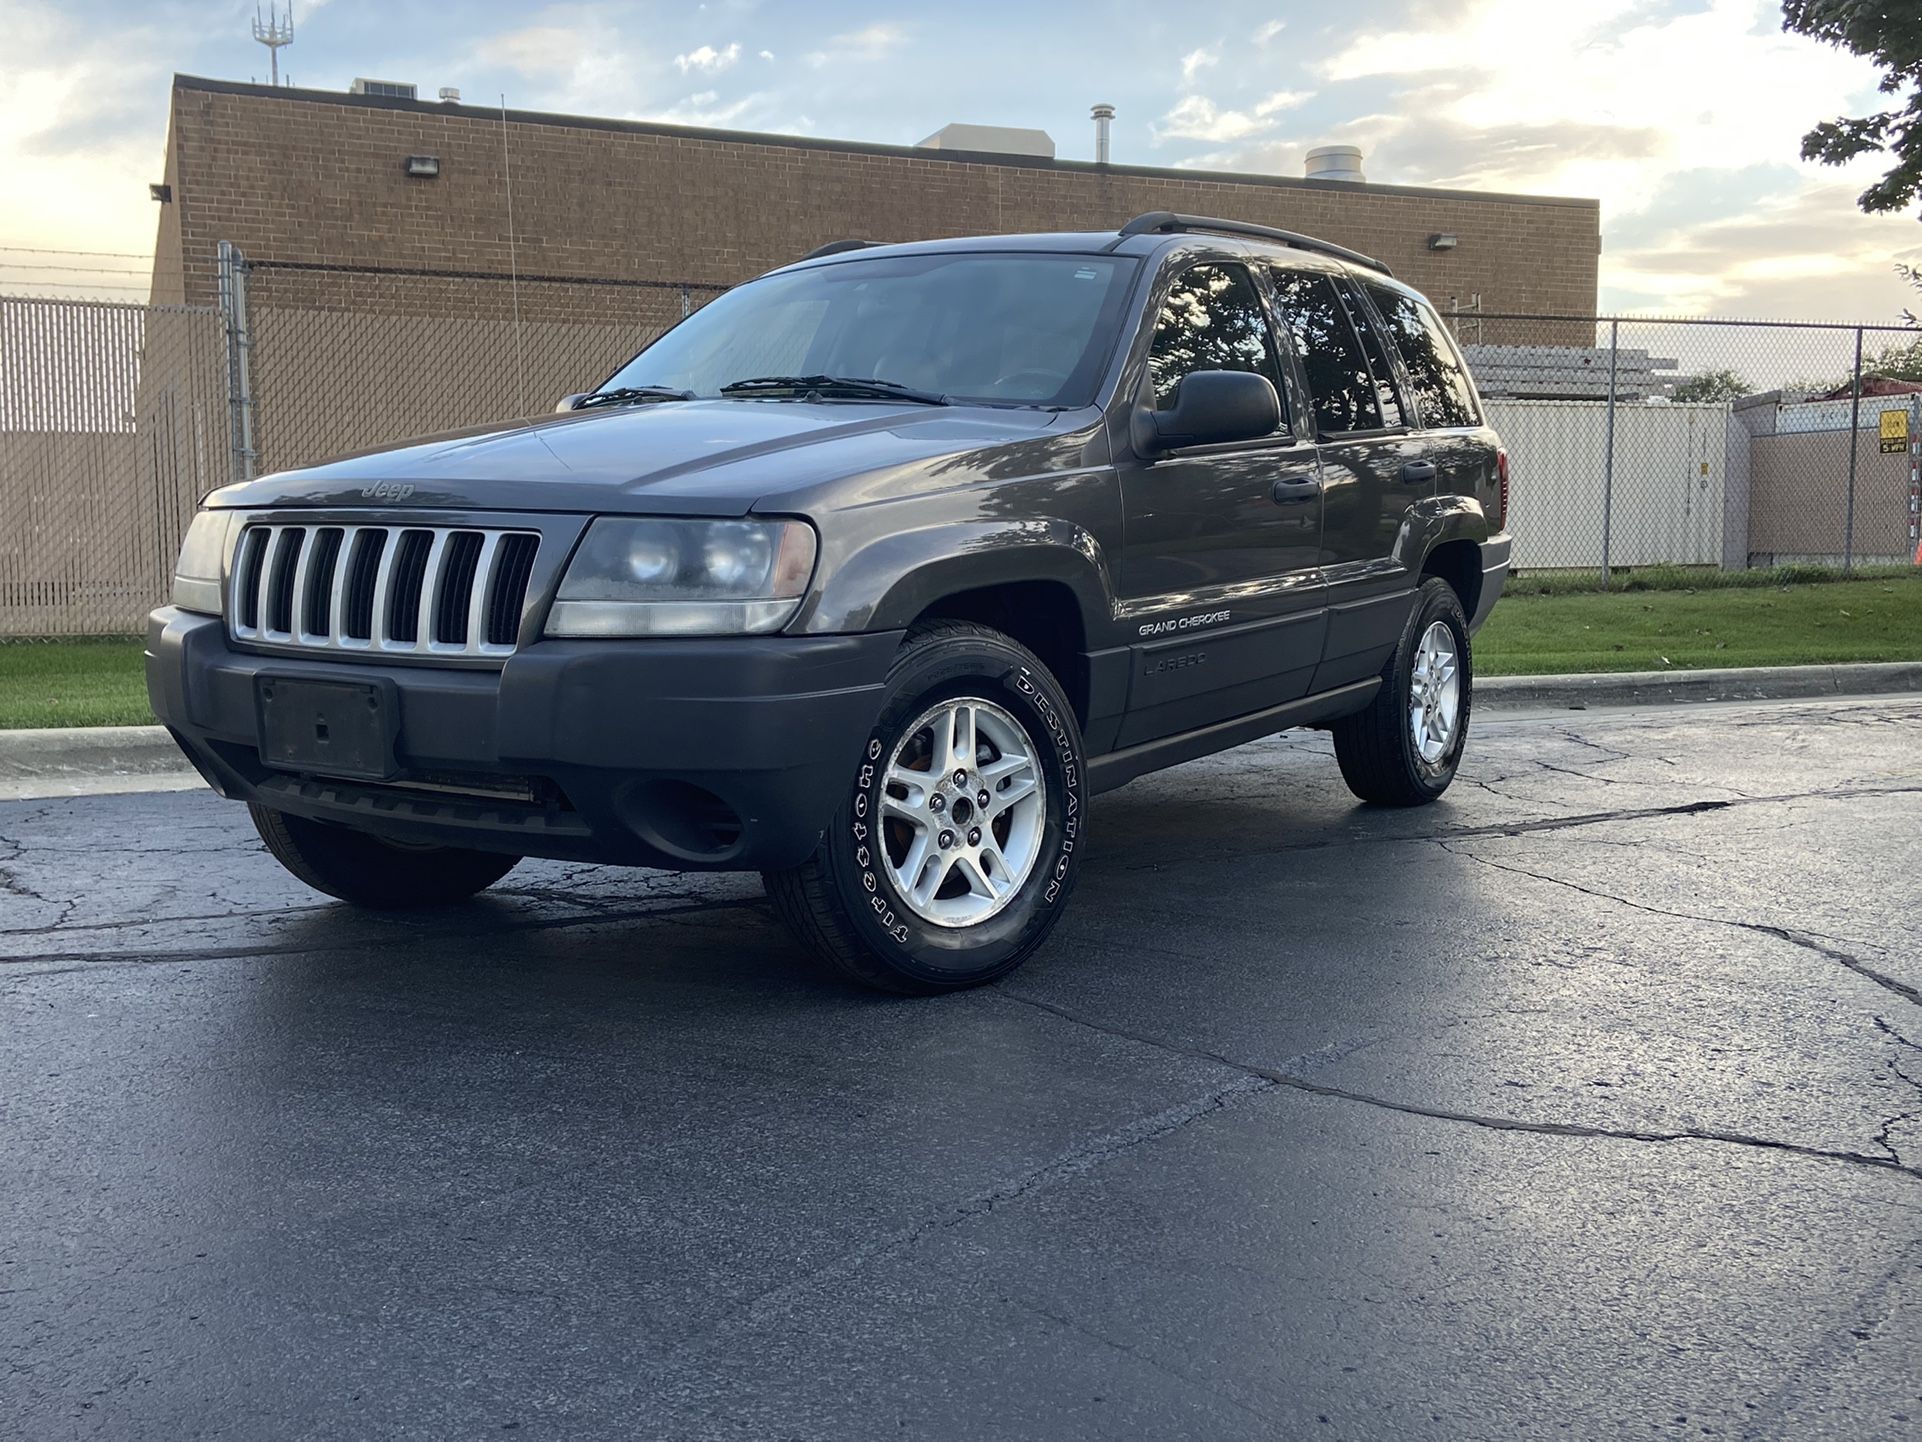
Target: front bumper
(698,754)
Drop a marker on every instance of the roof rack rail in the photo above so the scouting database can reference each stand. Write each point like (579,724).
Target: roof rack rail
(1159,221)
(835,247)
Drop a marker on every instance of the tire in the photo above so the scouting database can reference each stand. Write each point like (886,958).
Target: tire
(852,903)
(361,868)
(1380,757)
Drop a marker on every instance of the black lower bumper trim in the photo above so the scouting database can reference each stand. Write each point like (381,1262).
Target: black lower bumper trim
(728,753)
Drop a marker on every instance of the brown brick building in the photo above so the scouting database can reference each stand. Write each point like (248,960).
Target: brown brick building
(320,178)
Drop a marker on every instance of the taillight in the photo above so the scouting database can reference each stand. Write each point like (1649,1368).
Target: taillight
(1501,476)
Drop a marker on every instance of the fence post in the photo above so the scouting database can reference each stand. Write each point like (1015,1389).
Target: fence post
(687,303)
(232,270)
(1608,448)
(1855,440)
(1915,479)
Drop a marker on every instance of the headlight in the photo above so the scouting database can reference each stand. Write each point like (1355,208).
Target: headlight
(202,563)
(634,577)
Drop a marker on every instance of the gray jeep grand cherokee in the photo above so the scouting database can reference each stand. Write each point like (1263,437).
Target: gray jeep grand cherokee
(866,576)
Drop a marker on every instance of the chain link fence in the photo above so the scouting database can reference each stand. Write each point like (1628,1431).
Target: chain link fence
(345,359)
(1634,443)
(116,419)
(1716,444)
(113,424)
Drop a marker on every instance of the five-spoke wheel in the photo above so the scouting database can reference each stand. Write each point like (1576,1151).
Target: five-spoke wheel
(1434,693)
(962,811)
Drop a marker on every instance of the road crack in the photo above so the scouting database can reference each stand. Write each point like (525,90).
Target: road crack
(1578,1130)
(1804,940)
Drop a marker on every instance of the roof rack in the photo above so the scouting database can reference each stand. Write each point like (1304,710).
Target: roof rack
(1165,221)
(835,247)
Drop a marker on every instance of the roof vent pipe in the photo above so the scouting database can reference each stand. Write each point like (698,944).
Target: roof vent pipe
(1103,116)
(1335,162)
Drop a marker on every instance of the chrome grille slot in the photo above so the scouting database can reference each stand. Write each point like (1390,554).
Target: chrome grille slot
(453,591)
(363,567)
(317,596)
(514,564)
(405,588)
(278,605)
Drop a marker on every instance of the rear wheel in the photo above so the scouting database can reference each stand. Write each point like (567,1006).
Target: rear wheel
(1403,750)
(364,869)
(954,849)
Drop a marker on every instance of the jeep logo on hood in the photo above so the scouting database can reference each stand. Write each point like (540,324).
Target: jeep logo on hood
(388,491)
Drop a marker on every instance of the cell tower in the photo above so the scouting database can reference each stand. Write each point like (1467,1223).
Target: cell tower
(274,32)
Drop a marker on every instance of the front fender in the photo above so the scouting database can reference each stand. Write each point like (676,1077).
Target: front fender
(886,580)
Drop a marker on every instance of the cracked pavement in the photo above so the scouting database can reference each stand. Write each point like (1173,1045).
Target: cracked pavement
(1586,1103)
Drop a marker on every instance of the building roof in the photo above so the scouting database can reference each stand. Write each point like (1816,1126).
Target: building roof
(853,147)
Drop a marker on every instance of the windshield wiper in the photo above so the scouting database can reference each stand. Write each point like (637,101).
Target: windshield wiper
(851,387)
(632,395)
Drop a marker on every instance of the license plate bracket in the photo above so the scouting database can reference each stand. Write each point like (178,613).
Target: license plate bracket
(330,728)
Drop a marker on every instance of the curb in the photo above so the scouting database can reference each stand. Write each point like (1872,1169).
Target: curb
(1664,688)
(87,753)
(94,758)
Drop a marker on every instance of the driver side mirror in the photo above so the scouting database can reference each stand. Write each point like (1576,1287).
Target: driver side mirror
(1211,408)
(568,403)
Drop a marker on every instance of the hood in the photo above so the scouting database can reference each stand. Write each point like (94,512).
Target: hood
(710,457)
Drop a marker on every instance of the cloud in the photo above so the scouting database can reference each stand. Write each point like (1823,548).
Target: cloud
(871,42)
(1763,260)
(1720,85)
(707,60)
(1194,61)
(766,54)
(1195,117)
(535,50)
(82,112)
(705,110)
(1270,31)
(1281,100)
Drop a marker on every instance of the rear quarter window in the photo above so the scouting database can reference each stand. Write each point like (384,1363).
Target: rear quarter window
(1443,394)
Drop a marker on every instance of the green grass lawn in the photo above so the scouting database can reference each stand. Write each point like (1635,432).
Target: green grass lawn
(72,683)
(101,683)
(1873,620)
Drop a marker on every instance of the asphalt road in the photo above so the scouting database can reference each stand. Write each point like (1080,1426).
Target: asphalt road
(1587,1103)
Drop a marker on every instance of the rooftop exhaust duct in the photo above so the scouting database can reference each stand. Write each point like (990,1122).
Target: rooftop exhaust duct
(1336,162)
(1103,117)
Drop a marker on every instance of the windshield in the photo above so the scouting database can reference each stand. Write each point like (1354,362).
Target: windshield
(996,328)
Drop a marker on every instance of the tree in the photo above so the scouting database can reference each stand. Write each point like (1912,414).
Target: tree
(1888,32)
(1715,385)
(1896,361)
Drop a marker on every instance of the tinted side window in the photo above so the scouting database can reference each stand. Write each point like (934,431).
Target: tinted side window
(1346,396)
(1211,320)
(1378,363)
(1442,391)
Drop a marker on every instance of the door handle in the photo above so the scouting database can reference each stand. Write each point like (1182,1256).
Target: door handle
(1418,473)
(1296,488)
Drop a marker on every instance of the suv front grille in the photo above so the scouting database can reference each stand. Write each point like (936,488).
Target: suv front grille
(416,590)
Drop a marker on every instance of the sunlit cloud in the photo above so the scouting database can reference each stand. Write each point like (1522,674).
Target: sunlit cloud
(707,60)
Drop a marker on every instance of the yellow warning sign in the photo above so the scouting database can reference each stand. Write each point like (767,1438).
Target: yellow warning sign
(1895,432)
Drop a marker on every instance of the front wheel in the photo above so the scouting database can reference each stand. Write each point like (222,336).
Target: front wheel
(1403,750)
(954,848)
(364,869)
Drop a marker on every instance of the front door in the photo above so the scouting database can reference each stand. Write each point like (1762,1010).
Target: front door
(1219,573)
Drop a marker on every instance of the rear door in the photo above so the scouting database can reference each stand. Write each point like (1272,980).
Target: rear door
(1219,573)
(1445,405)
(1371,469)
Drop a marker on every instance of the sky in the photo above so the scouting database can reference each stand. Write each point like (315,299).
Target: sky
(1683,117)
